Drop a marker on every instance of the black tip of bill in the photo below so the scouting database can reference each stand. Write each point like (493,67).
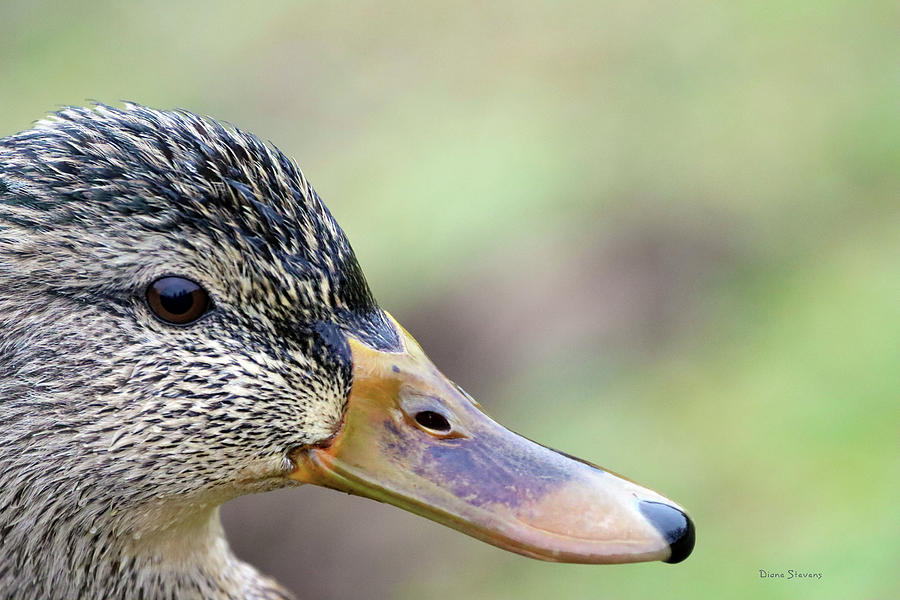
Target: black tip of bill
(675,526)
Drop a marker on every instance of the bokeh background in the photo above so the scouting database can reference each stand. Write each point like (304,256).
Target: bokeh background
(664,236)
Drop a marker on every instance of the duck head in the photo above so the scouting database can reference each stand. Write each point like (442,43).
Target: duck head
(183,322)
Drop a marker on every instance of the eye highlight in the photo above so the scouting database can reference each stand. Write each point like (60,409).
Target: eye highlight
(177,300)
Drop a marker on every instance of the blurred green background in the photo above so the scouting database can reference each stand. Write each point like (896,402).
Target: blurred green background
(664,236)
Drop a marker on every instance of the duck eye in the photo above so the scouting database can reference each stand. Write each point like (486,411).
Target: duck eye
(177,300)
(432,420)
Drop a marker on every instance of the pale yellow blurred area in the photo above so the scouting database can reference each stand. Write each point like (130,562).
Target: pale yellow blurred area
(664,236)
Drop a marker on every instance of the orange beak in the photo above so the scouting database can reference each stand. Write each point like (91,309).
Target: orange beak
(412,438)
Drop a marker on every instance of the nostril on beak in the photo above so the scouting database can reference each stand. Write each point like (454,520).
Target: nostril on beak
(675,526)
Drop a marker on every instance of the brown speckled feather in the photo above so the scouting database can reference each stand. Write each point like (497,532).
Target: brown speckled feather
(120,434)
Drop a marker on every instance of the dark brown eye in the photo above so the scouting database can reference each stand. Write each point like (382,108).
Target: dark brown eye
(177,300)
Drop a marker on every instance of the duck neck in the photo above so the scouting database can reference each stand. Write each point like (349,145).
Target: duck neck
(165,551)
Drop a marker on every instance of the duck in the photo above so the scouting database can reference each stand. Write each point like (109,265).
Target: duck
(182,322)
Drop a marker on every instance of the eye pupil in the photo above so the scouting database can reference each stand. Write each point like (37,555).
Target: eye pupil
(432,420)
(177,300)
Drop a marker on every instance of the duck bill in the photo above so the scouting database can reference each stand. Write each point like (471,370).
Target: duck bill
(412,438)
